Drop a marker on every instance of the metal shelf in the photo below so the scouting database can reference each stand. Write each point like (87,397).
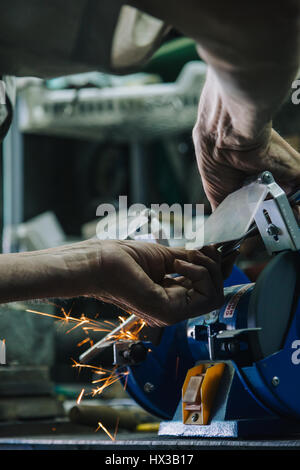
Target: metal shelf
(123,113)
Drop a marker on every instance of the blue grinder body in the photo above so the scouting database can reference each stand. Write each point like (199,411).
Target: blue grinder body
(256,334)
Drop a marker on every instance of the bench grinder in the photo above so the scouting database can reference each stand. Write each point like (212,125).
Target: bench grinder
(234,372)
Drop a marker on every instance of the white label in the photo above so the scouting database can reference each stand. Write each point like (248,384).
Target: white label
(296,354)
(232,304)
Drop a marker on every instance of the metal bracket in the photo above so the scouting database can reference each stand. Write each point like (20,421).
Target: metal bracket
(230,344)
(128,353)
(275,219)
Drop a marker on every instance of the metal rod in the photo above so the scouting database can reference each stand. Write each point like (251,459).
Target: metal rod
(105,342)
(13,194)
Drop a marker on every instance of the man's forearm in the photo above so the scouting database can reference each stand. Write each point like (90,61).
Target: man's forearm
(59,272)
(251,47)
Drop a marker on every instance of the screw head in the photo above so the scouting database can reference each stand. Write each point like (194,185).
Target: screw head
(266,177)
(275,381)
(232,347)
(148,387)
(272,230)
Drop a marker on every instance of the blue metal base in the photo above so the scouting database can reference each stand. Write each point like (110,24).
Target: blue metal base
(244,428)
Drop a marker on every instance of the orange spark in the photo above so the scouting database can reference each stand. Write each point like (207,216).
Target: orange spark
(116,428)
(130,334)
(85,328)
(86,340)
(100,425)
(45,314)
(98,369)
(83,322)
(80,397)
(126,380)
(110,380)
(110,323)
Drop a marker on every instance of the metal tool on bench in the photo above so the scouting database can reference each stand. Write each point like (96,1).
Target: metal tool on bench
(234,371)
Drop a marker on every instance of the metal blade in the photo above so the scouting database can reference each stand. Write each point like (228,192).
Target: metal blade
(233,217)
(106,341)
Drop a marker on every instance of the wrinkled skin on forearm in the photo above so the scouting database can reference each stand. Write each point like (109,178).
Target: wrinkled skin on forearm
(252,50)
(226,158)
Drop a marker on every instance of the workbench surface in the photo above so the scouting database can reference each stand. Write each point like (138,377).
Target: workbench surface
(147,442)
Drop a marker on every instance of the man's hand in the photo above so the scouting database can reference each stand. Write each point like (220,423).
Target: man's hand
(225,158)
(253,56)
(135,277)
